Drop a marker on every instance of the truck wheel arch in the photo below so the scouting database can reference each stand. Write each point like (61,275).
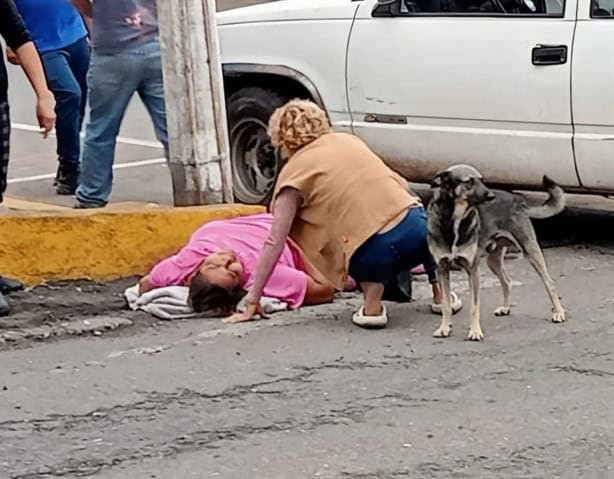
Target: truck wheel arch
(289,81)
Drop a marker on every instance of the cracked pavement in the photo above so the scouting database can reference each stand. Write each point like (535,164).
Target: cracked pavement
(307,394)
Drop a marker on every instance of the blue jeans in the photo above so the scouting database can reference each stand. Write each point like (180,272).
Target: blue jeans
(66,72)
(112,81)
(383,256)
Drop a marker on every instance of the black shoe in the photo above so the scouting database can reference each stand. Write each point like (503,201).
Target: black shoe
(88,206)
(66,182)
(8,285)
(5,309)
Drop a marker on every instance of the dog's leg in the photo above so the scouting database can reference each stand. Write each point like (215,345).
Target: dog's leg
(536,258)
(475,330)
(496,265)
(443,270)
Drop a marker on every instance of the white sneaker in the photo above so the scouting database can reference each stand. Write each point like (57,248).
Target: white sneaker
(457,305)
(359,319)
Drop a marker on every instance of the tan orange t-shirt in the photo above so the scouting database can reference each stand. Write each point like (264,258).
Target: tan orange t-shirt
(349,194)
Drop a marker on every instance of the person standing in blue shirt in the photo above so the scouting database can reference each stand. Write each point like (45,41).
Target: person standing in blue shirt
(126,59)
(60,36)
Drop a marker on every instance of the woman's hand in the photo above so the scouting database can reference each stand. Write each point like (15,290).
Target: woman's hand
(45,112)
(251,310)
(145,285)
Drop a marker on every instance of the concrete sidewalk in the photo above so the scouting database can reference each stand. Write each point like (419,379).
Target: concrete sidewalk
(140,174)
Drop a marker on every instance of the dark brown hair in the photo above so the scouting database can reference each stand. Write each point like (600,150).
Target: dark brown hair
(212,299)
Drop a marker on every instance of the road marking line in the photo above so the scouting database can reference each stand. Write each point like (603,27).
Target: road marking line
(120,139)
(120,166)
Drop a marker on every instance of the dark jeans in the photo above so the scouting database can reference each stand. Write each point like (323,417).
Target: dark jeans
(5,140)
(66,71)
(383,256)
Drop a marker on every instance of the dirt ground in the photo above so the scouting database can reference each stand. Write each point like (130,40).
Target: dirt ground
(40,313)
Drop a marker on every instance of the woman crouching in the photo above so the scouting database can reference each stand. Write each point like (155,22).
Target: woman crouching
(348,212)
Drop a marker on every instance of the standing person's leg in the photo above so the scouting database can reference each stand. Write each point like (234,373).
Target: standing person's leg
(79,59)
(68,99)
(112,80)
(5,141)
(151,92)
(5,136)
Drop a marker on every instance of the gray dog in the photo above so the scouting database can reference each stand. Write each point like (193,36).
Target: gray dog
(467,220)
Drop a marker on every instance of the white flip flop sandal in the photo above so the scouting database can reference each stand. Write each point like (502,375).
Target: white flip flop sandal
(359,319)
(457,305)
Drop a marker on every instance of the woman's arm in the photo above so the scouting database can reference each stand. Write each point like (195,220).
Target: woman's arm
(318,293)
(45,103)
(287,204)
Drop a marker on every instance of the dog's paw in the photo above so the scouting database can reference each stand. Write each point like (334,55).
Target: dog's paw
(475,335)
(558,317)
(503,311)
(443,332)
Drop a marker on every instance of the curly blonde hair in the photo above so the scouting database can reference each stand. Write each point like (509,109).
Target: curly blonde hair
(296,124)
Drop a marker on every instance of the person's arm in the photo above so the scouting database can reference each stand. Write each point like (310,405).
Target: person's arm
(318,293)
(171,271)
(45,103)
(145,285)
(287,204)
(85,9)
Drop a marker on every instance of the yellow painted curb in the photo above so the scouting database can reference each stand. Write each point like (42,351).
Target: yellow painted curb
(101,245)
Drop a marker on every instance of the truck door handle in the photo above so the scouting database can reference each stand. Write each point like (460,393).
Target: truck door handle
(549,55)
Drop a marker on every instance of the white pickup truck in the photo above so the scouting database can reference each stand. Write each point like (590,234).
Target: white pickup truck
(517,88)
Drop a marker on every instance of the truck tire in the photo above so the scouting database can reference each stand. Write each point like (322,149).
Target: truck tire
(254,161)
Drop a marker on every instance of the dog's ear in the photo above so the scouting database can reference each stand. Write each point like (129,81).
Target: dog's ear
(438,180)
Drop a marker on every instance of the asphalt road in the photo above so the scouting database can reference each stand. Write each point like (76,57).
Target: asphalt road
(307,394)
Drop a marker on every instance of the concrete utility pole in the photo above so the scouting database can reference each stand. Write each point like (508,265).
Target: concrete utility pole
(195,103)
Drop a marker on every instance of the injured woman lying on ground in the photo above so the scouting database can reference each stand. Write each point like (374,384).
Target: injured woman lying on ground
(217,265)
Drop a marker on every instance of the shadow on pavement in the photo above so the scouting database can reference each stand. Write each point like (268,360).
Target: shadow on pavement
(592,228)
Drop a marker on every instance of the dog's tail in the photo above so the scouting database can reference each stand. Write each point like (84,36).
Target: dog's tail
(553,205)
